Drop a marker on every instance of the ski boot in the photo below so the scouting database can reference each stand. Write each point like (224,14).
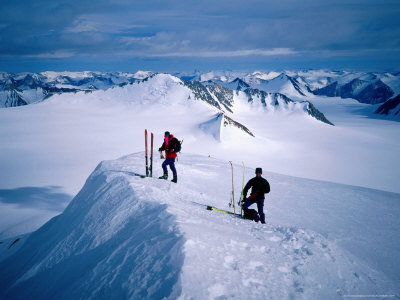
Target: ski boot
(175,179)
(165,176)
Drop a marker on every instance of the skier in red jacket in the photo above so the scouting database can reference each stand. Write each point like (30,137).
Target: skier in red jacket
(169,146)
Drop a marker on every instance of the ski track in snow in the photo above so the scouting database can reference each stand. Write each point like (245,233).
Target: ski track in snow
(127,237)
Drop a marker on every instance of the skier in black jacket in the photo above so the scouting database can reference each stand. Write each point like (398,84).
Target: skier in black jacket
(260,186)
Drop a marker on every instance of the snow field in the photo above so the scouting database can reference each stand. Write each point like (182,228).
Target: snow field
(129,237)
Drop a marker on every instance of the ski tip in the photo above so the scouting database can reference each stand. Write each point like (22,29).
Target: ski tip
(209,207)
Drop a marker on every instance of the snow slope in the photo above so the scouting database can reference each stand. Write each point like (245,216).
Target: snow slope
(127,237)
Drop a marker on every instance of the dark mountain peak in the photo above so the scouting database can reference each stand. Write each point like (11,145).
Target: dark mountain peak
(366,88)
(214,94)
(282,76)
(14,99)
(391,106)
(10,84)
(202,93)
(375,92)
(230,122)
(240,84)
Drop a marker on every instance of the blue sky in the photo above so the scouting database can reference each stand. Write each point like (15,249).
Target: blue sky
(169,35)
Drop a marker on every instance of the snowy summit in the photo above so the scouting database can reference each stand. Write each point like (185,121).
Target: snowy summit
(124,236)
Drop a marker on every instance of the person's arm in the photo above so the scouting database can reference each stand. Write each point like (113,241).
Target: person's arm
(246,189)
(266,187)
(162,147)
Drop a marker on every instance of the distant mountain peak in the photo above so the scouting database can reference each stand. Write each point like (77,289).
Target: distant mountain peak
(215,126)
(371,92)
(281,101)
(239,84)
(390,108)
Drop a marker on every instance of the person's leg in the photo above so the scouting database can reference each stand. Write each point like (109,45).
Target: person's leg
(247,204)
(164,166)
(172,166)
(250,213)
(260,207)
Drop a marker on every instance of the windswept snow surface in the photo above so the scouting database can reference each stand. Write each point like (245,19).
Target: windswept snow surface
(137,238)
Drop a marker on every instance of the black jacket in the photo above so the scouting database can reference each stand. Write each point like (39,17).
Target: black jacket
(259,185)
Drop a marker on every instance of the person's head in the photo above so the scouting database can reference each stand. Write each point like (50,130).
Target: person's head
(258,172)
(167,134)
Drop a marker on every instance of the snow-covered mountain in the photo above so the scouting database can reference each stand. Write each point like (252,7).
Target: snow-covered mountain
(280,102)
(30,88)
(215,94)
(283,84)
(237,84)
(371,92)
(223,99)
(366,87)
(26,88)
(215,126)
(390,108)
(127,237)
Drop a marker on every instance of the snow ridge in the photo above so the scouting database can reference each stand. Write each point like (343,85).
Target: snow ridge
(127,237)
(108,243)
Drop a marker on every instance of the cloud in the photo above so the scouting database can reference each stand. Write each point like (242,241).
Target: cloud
(233,53)
(206,29)
(55,54)
(50,197)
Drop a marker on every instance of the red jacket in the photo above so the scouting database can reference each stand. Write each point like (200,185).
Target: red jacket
(169,153)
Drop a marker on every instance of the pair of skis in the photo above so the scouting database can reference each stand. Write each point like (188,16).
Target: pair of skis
(233,193)
(149,169)
(209,207)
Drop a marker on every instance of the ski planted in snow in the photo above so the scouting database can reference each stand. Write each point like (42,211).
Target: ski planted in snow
(149,169)
(233,193)
(145,144)
(241,195)
(151,155)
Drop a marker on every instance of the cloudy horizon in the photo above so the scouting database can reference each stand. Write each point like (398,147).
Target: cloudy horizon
(186,35)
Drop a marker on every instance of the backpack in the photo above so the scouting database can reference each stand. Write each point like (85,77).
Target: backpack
(176,145)
(251,214)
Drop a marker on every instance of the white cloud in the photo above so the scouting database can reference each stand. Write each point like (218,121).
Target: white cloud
(81,26)
(232,53)
(54,54)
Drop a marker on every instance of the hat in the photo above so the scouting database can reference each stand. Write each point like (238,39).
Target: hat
(167,133)
(258,170)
